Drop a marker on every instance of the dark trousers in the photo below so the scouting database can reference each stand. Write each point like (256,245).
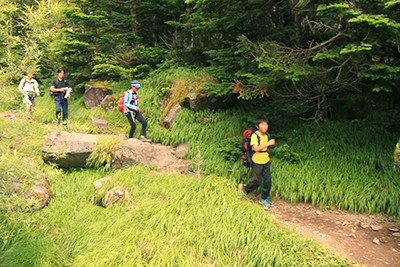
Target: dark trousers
(261,174)
(61,102)
(131,118)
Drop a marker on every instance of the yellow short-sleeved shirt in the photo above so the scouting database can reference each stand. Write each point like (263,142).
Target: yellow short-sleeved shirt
(260,157)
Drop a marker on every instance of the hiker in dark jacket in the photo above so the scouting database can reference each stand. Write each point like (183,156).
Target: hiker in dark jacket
(59,87)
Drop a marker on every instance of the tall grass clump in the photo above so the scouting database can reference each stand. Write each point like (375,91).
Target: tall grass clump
(340,166)
(170,221)
(10,97)
(103,152)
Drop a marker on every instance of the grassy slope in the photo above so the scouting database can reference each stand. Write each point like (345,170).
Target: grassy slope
(171,221)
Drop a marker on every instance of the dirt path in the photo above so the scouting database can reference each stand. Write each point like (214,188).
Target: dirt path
(368,240)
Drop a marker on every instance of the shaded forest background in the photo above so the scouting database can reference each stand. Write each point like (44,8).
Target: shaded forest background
(308,58)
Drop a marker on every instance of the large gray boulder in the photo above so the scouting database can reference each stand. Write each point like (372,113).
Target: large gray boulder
(197,101)
(69,150)
(169,120)
(95,92)
(133,151)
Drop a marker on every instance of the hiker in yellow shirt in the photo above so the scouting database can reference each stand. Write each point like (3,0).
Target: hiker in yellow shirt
(261,162)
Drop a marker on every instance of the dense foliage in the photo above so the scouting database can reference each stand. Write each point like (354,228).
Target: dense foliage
(303,53)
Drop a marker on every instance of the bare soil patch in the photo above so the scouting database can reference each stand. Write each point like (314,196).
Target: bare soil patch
(370,240)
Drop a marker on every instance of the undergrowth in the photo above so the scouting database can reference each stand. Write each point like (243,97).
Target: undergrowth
(178,221)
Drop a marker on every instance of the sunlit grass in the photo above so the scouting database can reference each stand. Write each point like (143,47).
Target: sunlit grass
(170,221)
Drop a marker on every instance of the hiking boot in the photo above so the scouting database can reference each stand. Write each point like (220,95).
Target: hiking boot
(66,128)
(242,191)
(264,202)
(144,139)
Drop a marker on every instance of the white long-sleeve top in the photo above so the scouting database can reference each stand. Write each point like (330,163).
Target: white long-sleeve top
(28,85)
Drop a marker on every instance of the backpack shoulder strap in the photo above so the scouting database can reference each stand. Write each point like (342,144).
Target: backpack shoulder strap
(129,92)
(258,137)
(23,84)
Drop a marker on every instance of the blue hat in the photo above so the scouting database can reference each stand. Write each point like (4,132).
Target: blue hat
(136,84)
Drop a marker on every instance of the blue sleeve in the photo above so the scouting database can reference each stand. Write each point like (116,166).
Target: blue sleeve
(126,102)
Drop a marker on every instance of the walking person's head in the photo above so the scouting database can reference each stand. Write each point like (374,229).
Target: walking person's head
(29,75)
(262,124)
(135,85)
(60,73)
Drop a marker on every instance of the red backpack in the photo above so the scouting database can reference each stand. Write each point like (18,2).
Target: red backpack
(246,149)
(121,106)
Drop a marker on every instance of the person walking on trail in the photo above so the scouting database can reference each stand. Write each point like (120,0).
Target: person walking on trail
(261,162)
(59,87)
(132,111)
(28,87)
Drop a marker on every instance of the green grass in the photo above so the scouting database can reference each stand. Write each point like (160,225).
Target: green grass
(171,220)
(177,220)
(343,165)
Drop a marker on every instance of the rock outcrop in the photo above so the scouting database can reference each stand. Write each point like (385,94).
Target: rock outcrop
(169,121)
(95,92)
(115,195)
(133,151)
(69,150)
(196,101)
(35,197)
(108,102)
(99,123)
(39,194)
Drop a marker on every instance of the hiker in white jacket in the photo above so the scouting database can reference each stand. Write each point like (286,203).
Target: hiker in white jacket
(29,89)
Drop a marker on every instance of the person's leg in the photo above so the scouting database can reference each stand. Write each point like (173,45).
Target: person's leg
(27,106)
(57,102)
(33,105)
(143,121)
(131,119)
(64,105)
(257,178)
(266,187)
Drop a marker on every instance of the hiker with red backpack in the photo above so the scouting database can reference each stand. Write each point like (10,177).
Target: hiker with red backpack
(260,161)
(131,111)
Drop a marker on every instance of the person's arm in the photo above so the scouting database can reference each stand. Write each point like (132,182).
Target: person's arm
(20,86)
(127,104)
(52,88)
(258,148)
(36,87)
